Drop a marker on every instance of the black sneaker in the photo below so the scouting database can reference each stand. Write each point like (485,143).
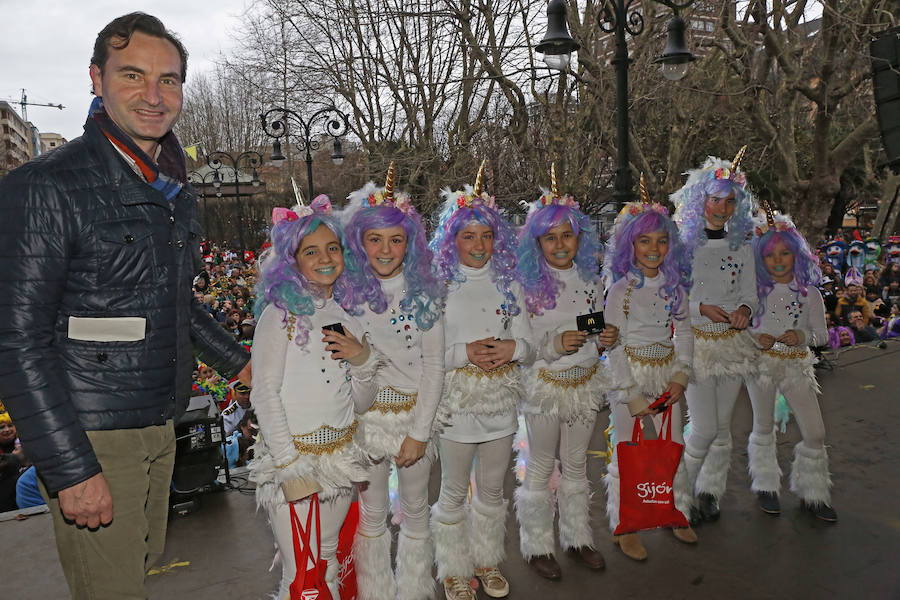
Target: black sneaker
(709,507)
(768,502)
(695,517)
(821,511)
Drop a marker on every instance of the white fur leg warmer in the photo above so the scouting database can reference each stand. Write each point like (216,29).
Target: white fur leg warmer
(534,510)
(681,490)
(487,532)
(765,475)
(452,546)
(415,557)
(810,478)
(692,465)
(372,561)
(714,472)
(611,479)
(574,501)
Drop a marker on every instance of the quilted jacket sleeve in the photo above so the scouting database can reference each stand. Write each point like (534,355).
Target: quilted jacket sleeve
(36,240)
(215,346)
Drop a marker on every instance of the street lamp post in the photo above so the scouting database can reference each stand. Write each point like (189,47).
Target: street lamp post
(201,178)
(619,17)
(334,123)
(219,159)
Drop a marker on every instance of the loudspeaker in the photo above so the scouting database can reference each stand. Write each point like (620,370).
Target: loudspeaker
(885,52)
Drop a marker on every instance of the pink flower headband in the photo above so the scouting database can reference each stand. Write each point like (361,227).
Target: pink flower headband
(770,223)
(553,197)
(387,196)
(466,198)
(732,172)
(321,204)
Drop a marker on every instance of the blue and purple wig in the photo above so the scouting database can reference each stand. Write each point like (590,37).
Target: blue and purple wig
(280,282)
(461,209)
(807,273)
(424,290)
(635,220)
(540,284)
(717,178)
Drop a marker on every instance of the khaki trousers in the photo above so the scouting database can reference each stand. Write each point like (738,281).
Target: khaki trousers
(111,562)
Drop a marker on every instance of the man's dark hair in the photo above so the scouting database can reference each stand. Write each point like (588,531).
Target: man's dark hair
(118,34)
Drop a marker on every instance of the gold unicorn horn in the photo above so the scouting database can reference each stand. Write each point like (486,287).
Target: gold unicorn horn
(737,159)
(645,196)
(476,190)
(554,188)
(770,216)
(389,184)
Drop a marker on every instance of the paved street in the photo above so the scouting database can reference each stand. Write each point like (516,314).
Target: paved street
(224,550)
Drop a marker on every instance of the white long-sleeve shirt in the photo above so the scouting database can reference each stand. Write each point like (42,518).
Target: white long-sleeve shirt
(477,310)
(416,358)
(297,390)
(722,277)
(576,297)
(786,309)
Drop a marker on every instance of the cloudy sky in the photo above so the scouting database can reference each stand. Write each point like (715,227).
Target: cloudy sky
(45,47)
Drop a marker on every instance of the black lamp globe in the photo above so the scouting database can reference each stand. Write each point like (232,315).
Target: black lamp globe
(557,44)
(676,58)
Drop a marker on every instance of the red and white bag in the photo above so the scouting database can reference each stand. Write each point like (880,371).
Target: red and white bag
(309,583)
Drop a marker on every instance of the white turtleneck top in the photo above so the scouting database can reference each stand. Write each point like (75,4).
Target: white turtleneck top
(416,357)
(722,277)
(476,310)
(298,389)
(786,309)
(576,297)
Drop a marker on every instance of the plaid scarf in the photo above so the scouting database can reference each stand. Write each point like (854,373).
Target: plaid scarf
(168,175)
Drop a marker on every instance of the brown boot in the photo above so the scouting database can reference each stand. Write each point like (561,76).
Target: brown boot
(588,556)
(631,546)
(685,534)
(546,566)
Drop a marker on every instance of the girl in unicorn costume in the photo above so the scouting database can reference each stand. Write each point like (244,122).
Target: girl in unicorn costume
(559,254)
(791,318)
(390,268)
(713,211)
(487,337)
(307,381)
(647,302)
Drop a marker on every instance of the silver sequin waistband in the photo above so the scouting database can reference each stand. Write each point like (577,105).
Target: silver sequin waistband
(325,439)
(651,354)
(783,351)
(709,331)
(390,400)
(571,377)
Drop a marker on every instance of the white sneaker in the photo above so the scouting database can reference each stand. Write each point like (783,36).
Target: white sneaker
(457,589)
(493,582)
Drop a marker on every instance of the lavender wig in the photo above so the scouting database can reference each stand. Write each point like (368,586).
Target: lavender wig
(834,336)
(675,268)
(452,219)
(424,291)
(807,273)
(690,202)
(540,284)
(280,281)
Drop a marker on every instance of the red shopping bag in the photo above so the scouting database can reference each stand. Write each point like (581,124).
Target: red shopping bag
(309,583)
(646,471)
(347,572)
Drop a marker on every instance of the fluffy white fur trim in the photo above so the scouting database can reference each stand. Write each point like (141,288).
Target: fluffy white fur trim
(452,546)
(576,403)
(692,465)
(810,478)
(372,562)
(487,532)
(652,380)
(479,395)
(335,473)
(574,500)
(765,474)
(734,356)
(534,510)
(611,479)
(788,372)
(415,557)
(681,490)
(384,432)
(714,472)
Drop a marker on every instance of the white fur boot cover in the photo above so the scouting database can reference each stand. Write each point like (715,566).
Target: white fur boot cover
(487,532)
(372,561)
(810,478)
(415,557)
(714,472)
(452,547)
(574,501)
(765,475)
(611,479)
(534,510)
(681,490)
(692,465)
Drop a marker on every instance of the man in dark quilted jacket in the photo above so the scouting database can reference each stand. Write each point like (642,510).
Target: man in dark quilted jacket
(99,245)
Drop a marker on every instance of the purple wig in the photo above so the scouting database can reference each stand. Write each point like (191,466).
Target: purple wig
(807,273)
(280,281)
(424,294)
(540,284)
(675,268)
(453,218)
(834,336)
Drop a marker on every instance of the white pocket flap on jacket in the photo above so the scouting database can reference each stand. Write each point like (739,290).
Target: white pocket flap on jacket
(107,329)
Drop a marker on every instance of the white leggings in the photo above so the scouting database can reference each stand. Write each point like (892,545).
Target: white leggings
(333,512)
(711,404)
(800,396)
(545,435)
(491,463)
(374,501)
